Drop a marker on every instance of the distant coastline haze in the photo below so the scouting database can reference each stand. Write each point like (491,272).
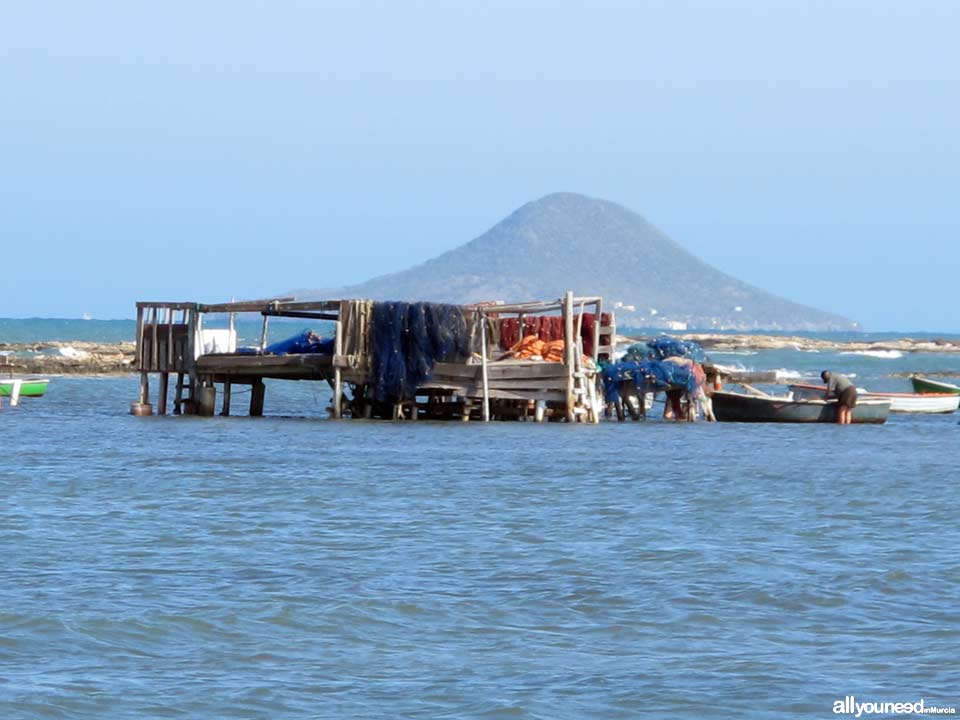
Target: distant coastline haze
(204,152)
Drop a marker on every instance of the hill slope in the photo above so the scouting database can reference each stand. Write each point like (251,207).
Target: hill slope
(569,241)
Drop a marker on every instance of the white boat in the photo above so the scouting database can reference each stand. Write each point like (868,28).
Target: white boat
(899,402)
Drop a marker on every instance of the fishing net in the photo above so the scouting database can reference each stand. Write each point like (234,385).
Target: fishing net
(306,342)
(650,375)
(665,347)
(408,339)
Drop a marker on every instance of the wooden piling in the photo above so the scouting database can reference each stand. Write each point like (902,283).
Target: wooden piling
(227,387)
(483,366)
(569,350)
(337,375)
(257,393)
(162,393)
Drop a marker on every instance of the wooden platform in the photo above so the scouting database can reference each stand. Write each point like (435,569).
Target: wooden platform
(170,340)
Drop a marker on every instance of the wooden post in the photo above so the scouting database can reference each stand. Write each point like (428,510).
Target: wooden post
(257,393)
(194,327)
(155,349)
(178,395)
(208,399)
(568,351)
(263,333)
(337,376)
(139,338)
(227,386)
(483,365)
(162,393)
(596,332)
(144,387)
(169,365)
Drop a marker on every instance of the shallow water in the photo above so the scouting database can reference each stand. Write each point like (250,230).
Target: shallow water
(298,567)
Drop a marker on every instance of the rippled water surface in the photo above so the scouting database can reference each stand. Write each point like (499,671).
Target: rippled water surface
(297,567)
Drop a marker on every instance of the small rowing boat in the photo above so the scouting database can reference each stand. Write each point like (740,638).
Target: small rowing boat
(740,407)
(29,386)
(899,402)
(926,386)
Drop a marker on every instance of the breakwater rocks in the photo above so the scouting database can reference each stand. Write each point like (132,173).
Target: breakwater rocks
(805,344)
(69,358)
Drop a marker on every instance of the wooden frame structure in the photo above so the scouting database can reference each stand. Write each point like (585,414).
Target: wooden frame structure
(169,342)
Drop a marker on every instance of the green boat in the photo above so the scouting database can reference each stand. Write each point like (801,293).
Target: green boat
(926,385)
(29,387)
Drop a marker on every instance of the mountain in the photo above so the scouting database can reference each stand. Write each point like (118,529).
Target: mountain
(568,241)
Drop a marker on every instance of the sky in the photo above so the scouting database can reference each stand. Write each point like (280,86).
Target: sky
(203,151)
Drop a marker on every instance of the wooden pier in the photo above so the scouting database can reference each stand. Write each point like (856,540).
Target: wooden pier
(485,385)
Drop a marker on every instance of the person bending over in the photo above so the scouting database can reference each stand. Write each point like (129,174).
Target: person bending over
(840,387)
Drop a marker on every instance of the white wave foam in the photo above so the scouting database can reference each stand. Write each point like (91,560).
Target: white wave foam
(786,374)
(733,352)
(71,352)
(882,354)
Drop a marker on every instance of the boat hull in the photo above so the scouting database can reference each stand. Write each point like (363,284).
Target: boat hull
(29,387)
(735,407)
(934,403)
(927,386)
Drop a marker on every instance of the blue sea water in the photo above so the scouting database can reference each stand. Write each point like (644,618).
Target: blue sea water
(295,567)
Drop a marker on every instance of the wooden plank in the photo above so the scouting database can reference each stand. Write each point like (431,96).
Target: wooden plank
(526,384)
(528,307)
(302,314)
(254,363)
(146,305)
(328,305)
(242,306)
(503,369)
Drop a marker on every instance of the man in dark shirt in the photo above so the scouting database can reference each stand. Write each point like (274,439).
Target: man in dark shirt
(840,387)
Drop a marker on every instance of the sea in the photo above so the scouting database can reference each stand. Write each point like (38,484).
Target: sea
(292,566)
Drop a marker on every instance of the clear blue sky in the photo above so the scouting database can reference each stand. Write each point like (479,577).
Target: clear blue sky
(204,150)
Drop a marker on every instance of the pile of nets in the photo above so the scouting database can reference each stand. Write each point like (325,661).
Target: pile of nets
(407,340)
(307,342)
(665,347)
(651,375)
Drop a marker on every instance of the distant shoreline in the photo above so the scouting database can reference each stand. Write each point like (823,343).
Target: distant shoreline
(90,358)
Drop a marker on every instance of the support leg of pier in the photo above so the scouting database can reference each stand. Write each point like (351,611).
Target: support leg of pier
(162,394)
(257,393)
(143,406)
(226,398)
(208,400)
(178,395)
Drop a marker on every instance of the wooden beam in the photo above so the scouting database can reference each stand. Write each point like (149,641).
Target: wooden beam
(301,314)
(242,306)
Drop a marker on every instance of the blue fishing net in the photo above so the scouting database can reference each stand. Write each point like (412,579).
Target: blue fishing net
(306,342)
(664,347)
(647,375)
(407,340)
